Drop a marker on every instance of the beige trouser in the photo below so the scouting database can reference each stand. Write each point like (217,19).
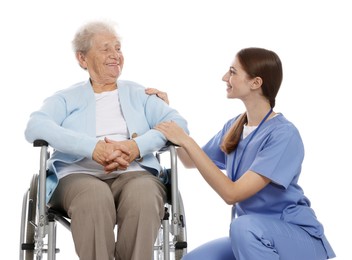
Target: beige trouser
(134,201)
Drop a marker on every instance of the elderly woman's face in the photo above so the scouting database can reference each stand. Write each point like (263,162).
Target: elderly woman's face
(104,61)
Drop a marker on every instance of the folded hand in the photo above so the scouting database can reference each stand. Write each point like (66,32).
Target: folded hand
(119,160)
(104,151)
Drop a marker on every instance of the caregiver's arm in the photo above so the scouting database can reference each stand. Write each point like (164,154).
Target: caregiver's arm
(230,191)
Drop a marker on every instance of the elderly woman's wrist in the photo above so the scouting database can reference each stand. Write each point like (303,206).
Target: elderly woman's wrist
(135,151)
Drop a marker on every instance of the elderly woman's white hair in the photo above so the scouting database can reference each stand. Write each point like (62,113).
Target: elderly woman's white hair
(82,40)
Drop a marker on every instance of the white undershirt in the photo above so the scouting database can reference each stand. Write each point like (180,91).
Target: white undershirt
(108,115)
(247,130)
(109,123)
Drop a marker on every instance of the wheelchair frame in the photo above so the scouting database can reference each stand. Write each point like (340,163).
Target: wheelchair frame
(38,221)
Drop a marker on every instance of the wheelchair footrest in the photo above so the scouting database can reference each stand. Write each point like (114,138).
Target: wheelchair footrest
(181,245)
(27,246)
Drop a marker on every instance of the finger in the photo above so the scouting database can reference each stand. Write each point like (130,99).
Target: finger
(164,125)
(111,167)
(160,126)
(124,149)
(163,96)
(107,140)
(125,157)
(115,166)
(113,155)
(151,91)
(122,162)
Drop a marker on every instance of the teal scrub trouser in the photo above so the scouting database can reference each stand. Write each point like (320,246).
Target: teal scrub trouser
(255,237)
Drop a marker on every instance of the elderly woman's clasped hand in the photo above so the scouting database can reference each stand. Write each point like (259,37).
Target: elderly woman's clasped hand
(124,153)
(115,155)
(111,155)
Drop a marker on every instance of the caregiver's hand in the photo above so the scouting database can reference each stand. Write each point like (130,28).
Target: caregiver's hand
(173,132)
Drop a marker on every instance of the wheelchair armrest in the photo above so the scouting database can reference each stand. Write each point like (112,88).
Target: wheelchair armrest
(40,142)
(169,143)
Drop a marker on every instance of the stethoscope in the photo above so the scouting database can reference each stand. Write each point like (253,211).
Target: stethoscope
(234,173)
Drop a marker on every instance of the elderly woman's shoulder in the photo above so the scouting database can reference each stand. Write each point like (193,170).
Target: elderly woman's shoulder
(132,87)
(77,88)
(130,84)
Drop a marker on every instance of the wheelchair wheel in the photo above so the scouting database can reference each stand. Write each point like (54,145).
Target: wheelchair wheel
(181,238)
(177,246)
(29,222)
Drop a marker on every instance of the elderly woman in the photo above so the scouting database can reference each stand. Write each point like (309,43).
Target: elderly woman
(103,171)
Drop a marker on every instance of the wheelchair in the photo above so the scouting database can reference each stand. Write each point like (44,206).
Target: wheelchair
(39,222)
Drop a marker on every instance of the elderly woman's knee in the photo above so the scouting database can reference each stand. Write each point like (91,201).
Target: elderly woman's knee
(146,188)
(95,195)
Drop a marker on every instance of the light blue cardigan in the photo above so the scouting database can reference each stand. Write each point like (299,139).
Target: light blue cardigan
(66,121)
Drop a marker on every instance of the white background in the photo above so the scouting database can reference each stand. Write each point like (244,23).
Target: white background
(184,47)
